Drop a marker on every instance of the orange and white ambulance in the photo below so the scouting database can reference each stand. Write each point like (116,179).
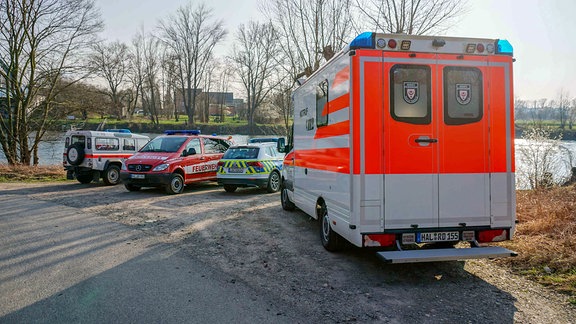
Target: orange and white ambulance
(402,141)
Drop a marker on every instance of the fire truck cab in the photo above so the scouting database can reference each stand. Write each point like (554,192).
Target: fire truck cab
(403,141)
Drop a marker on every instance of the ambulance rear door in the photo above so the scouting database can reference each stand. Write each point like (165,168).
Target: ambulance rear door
(436,141)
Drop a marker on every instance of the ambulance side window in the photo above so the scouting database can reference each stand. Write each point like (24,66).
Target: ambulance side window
(462,95)
(410,94)
(322,103)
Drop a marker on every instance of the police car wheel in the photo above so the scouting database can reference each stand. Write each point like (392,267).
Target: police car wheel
(331,240)
(273,182)
(230,188)
(112,175)
(285,200)
(176,184)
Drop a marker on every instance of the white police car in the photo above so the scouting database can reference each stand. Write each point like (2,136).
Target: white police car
(251,165)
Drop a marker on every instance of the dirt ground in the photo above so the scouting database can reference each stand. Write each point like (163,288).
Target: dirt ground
(247,234)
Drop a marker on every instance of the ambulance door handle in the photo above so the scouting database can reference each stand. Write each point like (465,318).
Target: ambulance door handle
(426,140)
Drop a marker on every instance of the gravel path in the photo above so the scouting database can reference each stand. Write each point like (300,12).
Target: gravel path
(248,235)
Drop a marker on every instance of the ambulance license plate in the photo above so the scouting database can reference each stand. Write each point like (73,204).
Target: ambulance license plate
(137,176)
(437,237)
(235,170)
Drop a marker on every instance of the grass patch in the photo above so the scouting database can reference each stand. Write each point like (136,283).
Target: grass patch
(544,238)
(20,173)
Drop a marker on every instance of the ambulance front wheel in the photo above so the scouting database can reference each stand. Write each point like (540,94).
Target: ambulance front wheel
(285,200)
(331,240)
(112,175)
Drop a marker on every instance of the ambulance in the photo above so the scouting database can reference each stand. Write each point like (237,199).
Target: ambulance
(405,144)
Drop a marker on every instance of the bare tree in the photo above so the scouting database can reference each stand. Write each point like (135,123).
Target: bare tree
(41,42)
(417,17)
(310,31)
(254,58)
(282,103)
(110,62)
(563,105)
(191,36)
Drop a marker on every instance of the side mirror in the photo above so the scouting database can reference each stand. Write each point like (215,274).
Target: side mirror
(281,145)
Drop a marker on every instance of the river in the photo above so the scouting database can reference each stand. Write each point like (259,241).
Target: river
(51,149)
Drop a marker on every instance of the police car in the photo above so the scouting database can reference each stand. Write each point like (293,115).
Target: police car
(251,165)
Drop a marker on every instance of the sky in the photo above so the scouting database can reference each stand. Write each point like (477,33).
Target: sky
(541,32)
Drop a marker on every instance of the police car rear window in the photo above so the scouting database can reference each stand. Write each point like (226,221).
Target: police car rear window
(241,153)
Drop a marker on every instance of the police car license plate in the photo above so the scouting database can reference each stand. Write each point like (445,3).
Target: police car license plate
(437,237)
(235,170)
(137,176)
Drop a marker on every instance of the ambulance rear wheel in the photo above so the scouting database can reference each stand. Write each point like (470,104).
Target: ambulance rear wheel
(331,240)
(230,188)
(273,182)
(176,184)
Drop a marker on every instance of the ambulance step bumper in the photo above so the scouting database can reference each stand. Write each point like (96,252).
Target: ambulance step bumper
(433,255)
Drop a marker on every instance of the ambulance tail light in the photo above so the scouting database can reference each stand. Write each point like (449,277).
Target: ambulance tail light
(392,43)
(372,240)
(492,236)
(220,164)
(504,47)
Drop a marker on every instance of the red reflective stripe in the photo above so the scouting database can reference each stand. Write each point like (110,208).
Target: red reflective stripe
(106,156)
(341,128)
(337,104)
(329,159)
(341,77)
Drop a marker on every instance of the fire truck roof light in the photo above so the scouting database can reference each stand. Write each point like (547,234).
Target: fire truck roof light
(364,40)
(504,47)
(183,132)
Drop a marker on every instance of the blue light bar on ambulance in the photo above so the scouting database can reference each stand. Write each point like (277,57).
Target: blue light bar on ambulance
(183,132)
(504,47)
(364,40)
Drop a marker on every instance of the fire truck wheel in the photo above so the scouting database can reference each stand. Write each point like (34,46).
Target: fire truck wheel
(230,188)
(176,184)
(273,182)
(84,178)
(75,153)
(331,240)
(112,175)
(131,187)
(286,203)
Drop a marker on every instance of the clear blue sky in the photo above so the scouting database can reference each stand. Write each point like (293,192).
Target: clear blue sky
(541,32)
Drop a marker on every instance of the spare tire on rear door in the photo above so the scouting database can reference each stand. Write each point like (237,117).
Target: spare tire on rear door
(75,153)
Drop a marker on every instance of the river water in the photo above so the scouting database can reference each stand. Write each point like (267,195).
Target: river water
(51,149)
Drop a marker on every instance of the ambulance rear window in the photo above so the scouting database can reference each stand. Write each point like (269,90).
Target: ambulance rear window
(462,95)
(410,94)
